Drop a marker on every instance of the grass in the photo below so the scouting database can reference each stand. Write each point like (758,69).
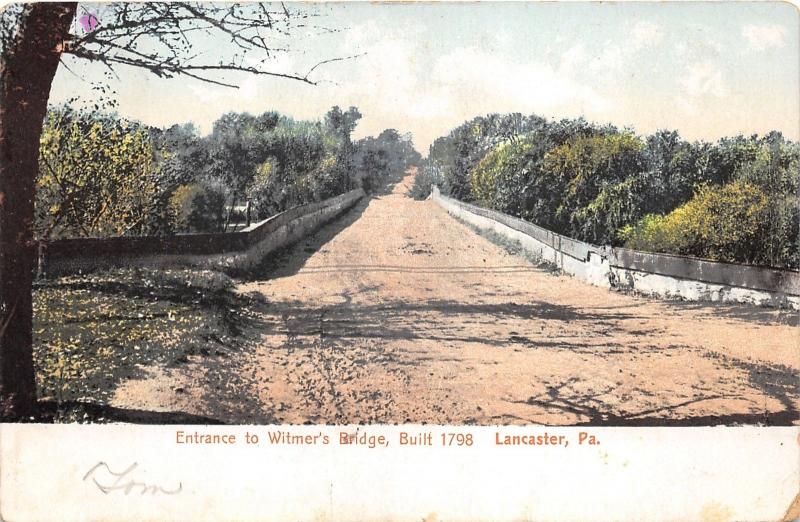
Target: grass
(93,331)
(512,246)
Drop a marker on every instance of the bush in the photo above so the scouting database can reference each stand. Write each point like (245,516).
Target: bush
(97,176)
(424,180)
(733,200)
(614,207)
(583,166)
(497,171)
(197,208)
(721,223)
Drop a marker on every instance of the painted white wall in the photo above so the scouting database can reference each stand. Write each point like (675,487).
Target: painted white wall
(598,269)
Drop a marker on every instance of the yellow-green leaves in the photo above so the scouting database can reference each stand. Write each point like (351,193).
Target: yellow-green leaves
(91,331)
(487,174)
(97,175)
(722,223)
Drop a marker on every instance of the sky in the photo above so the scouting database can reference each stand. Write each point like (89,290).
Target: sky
(705,69)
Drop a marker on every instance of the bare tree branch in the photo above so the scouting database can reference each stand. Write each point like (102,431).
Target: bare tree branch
(331,60)
(156,37)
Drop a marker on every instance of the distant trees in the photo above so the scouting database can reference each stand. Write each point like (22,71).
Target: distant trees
(734,200)
(379,158)
(101,175)
(238,143)
(159,37)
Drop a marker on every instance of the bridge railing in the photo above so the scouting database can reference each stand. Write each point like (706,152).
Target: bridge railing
(662,275)
(228,250)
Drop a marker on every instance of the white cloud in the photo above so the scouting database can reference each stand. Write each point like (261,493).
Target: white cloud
(476,76)
(606,63)
(603,62)
(391,88)
(650,70)
(362,34)
(611,59)
(503,38)
(700,45)
(704,78)
(573,59)
(409,88)
(703,81)
(762,37)
(646,34)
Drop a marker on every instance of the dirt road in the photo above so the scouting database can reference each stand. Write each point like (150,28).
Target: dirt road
(397,313)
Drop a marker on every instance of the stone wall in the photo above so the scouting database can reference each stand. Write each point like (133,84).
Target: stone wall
(661,275)
(231,251)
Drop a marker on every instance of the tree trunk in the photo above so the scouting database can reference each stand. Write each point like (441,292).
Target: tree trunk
(26,73)
(230,213)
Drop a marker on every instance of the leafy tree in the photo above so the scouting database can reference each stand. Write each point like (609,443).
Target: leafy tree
(297,169)
(775,170)
(427,176)
(237,145)
(615,206)
(342,124)
(384,158)
(197,207)
(503,167)
(157,37)
(722,223)
(97,176)
(452,158)
(181,156)
(580,168)
(603,185)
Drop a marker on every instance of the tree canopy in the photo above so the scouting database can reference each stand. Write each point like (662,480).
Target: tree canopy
(733,200)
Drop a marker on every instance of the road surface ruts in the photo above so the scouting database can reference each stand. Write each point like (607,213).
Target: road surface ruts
(398,313)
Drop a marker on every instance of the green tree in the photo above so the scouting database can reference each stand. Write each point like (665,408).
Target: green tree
(775,170)
(342,124)
(197,207)
(721,223)
(238,143)
(384,159)
(581,167)
(157,37)
(97,176)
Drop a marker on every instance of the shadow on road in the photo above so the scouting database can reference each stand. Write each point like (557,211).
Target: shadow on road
(780,385)
(438,320)
(289,260)
(743,312)
(454,323)
(398,269)
(79,411)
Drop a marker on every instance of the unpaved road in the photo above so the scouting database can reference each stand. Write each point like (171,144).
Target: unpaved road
(397,313)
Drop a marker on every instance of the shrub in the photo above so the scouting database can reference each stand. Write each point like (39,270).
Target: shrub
(581,167)
(497,170)
(197,208)
(97,176)
(426,177)
(721,223)
(614,207)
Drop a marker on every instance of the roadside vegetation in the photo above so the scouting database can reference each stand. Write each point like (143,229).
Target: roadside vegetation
(101,175)
(93,331)
(735,200)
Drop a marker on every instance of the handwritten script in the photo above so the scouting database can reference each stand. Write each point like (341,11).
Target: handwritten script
(108,480)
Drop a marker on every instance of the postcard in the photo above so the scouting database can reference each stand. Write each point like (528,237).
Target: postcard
(400,261)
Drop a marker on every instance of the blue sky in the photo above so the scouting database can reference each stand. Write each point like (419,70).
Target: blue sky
(705,69)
